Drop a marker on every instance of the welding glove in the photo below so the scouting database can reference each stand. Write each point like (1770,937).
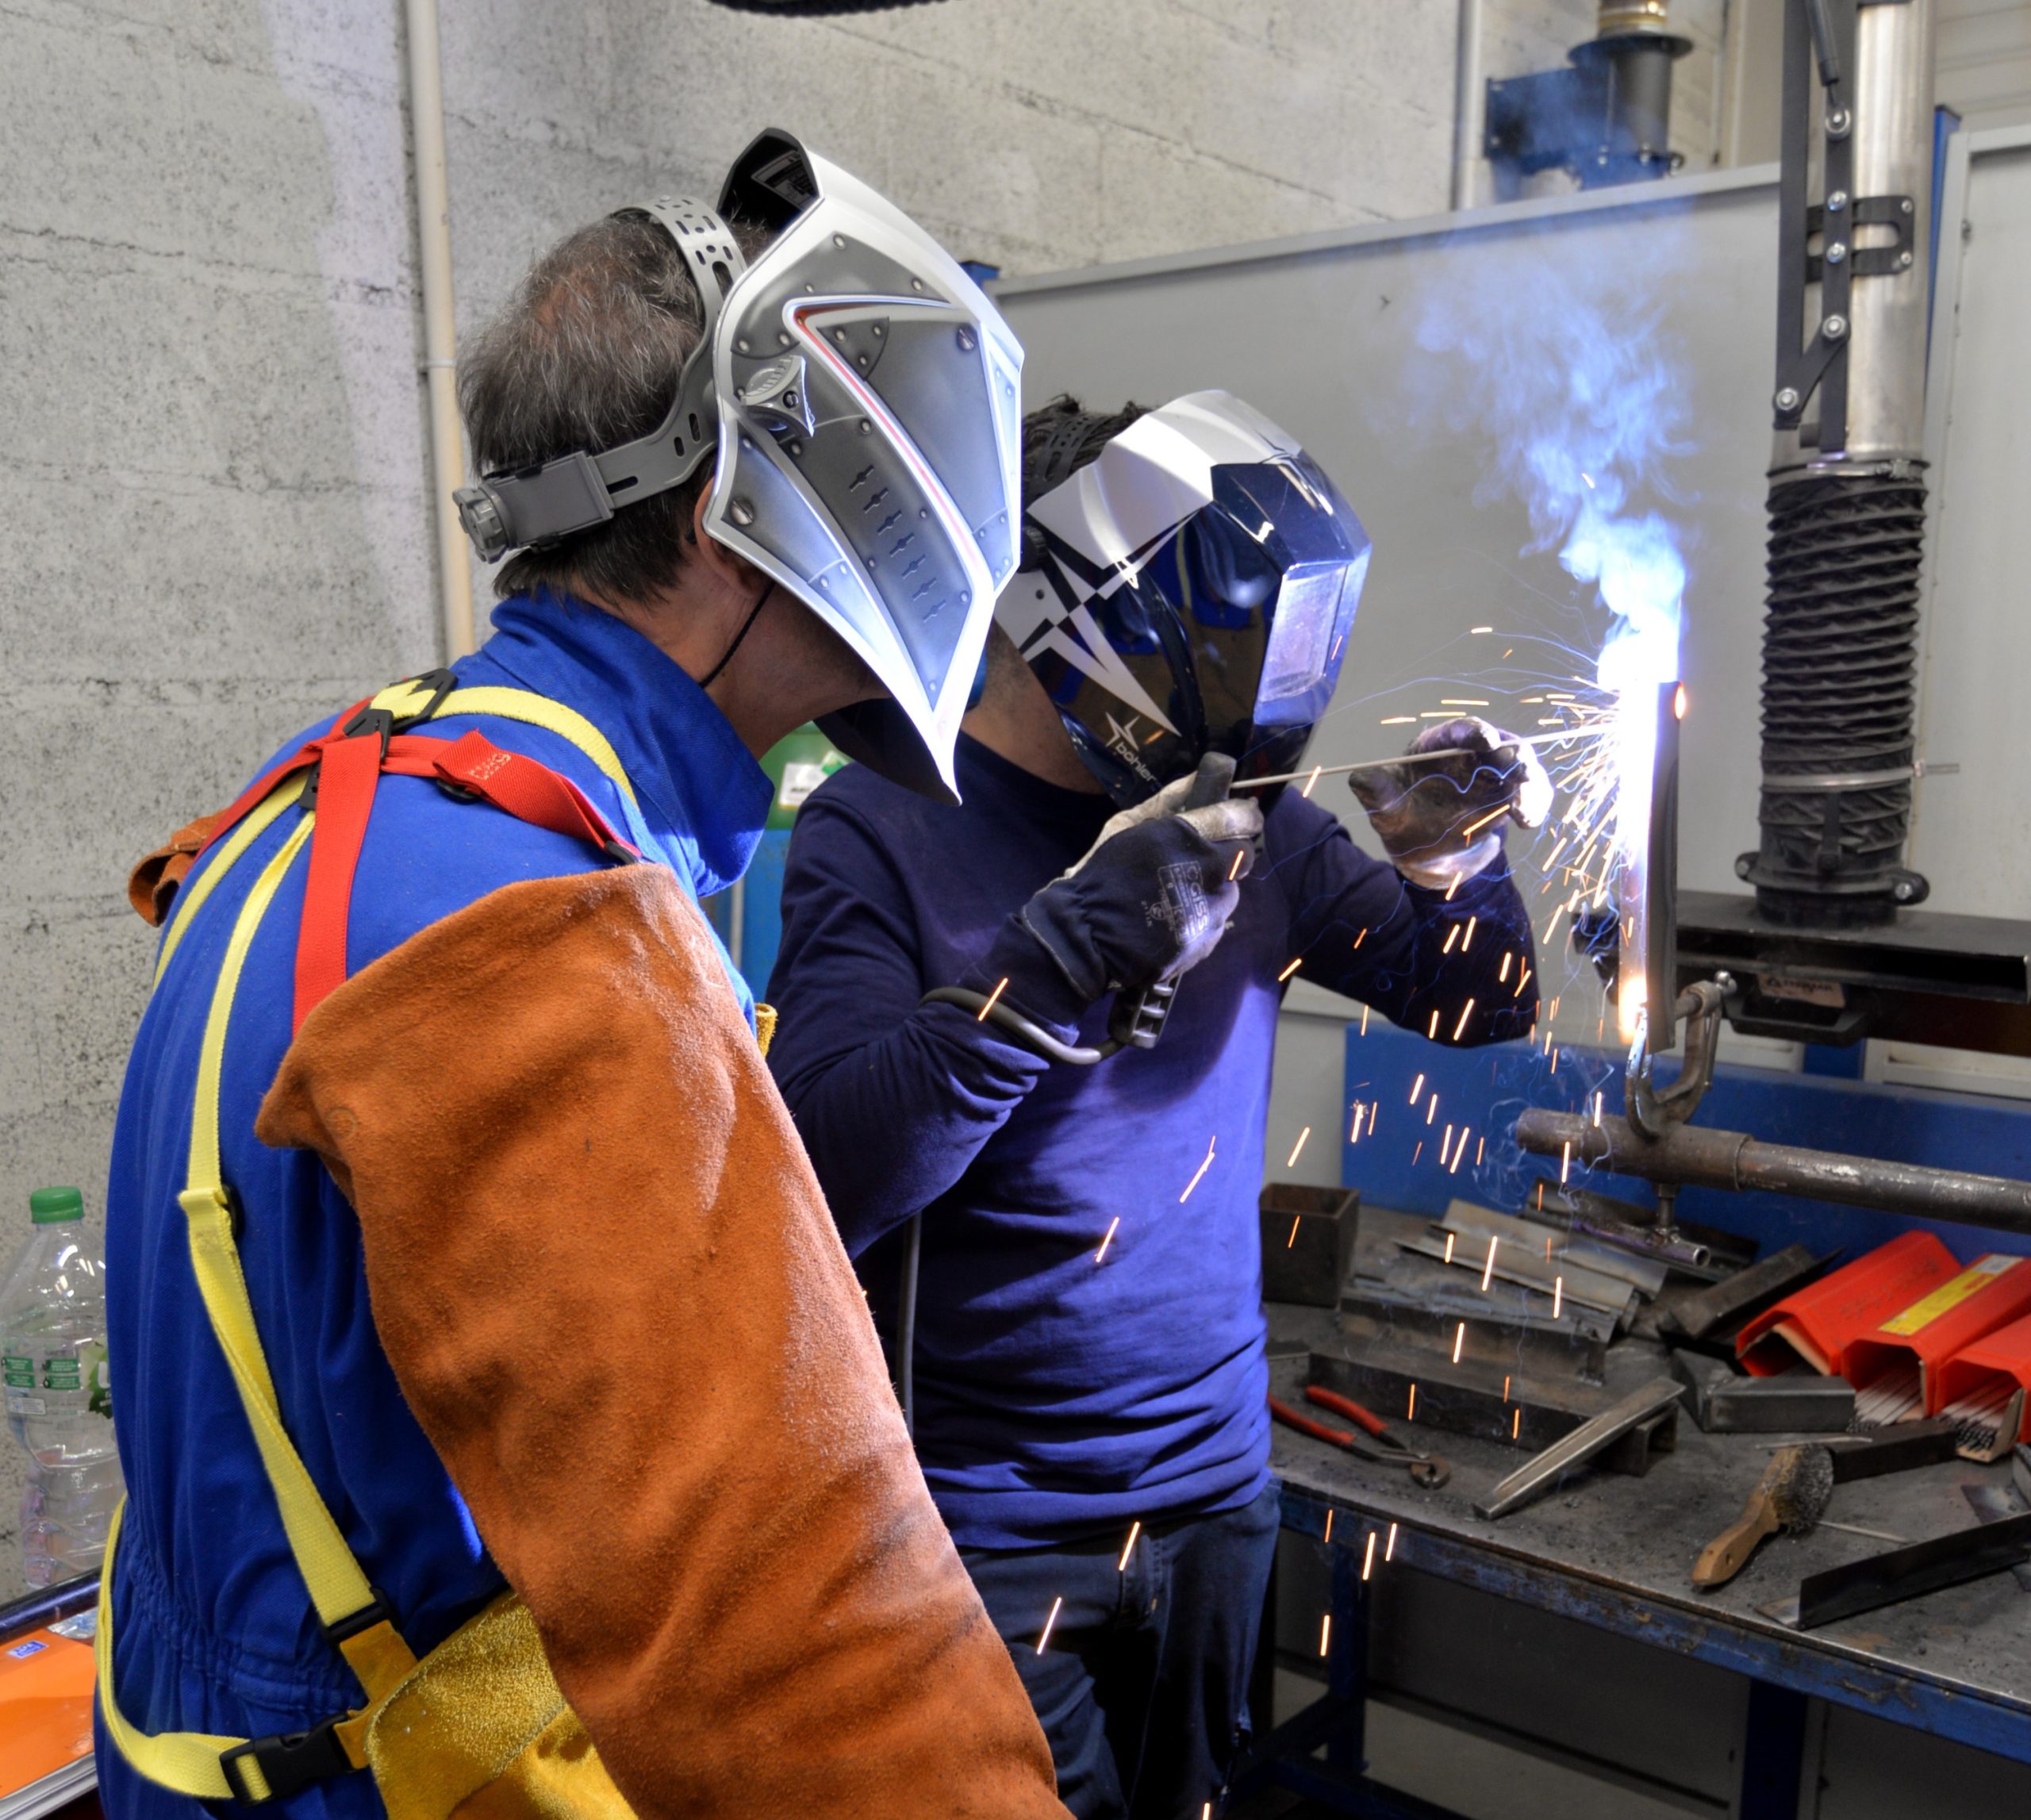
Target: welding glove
(1151,897)
(1442,822)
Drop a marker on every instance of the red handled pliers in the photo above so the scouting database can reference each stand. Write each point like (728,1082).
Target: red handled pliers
(1376,1443)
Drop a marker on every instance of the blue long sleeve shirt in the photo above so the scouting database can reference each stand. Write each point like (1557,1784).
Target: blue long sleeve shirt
(1089,1344)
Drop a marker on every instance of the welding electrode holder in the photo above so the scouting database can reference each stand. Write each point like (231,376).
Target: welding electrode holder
(1137,1019)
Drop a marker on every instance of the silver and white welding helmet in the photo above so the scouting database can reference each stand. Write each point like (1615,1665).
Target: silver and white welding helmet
(1189,591)
(863,396)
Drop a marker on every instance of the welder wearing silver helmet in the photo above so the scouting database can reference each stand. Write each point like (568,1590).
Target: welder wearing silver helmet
(1027,1042)
(503,1428)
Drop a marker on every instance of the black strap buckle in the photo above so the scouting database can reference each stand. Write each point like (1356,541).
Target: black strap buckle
(370,720)
(377,1611)
(289,1761)
(366,722)
(441,682)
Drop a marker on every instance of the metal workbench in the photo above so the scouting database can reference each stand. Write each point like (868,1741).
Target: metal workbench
(1616,1551)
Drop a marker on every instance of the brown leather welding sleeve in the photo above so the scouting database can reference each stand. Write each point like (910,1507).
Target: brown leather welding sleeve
(609,1287)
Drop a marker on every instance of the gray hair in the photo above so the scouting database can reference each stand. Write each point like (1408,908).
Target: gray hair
(586,354)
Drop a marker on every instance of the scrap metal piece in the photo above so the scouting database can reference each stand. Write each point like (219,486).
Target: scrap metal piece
(1728,1304)
(1993,1502)
(1896,1449)
(1903,1573)
(1723,1401)
(1538,1476)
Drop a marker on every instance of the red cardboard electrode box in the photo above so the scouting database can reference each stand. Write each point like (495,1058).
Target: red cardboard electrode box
(1991,1293)
(1997,1361)
(1819,1322)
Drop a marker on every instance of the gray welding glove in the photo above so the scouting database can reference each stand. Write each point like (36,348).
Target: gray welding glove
(1151,897)
(1442,822)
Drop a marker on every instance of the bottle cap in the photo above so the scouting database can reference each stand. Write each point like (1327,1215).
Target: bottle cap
(52,1206)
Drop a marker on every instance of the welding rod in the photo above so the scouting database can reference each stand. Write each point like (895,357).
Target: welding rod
(1696,1157)
(1366,764)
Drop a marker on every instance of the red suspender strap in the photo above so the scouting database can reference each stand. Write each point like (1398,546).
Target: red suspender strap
(527,790)
(257,791)
(349,771)
(347,774)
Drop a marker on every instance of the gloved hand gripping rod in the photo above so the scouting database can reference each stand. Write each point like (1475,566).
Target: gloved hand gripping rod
(1137,1018)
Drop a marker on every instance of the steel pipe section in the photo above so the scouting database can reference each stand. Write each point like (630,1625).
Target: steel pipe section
(1692,1156)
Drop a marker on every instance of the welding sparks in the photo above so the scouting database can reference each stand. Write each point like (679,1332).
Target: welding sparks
(1128,1548)
(1450,1238)
(1431,1111)
(1481,1150)
(1459,1340)
(1329,1524)
(1199,1174)
(1389,1551)
(1558,1294)
(1100,1257)
(1417,1088)
(1290,1161)
(1458,1154)
(1324,1632)
(1503,976)
(1233,871)
(1516,1426)
(1401,720)
(1368,1556)
(1311,780)
(1597,1111)
(1565,1164)
(1289,970)
(1354,1131)
(1505,1387)
(1468,942)
(1296,1218)
(1360,938)
(1412,1413)
(1056,1606)
(1364,1017)
(999,989)
(1487,1273)
(1522,980)
(1431,1035)
(1466,1012)
(1477,631)
(1452,935)
(1416,1154)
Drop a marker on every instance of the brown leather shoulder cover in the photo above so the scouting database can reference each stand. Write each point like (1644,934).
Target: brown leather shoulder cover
(611,1292)
(152,885)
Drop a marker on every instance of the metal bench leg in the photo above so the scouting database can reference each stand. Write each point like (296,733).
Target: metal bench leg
(1773,1753)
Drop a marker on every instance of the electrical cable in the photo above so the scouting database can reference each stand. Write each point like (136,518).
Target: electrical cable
(1001,1012)
(906,1325)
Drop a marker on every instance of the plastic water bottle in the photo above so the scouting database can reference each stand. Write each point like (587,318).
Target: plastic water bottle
(60,1400)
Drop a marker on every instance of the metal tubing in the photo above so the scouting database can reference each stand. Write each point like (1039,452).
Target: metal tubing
(433,218)
(1695,1157)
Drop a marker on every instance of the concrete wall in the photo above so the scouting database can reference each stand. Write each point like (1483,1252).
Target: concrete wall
(216,524)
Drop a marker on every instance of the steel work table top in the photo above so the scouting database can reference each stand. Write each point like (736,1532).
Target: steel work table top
(1617,1551)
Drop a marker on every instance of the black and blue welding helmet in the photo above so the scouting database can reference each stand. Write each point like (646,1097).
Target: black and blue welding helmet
(1189,590)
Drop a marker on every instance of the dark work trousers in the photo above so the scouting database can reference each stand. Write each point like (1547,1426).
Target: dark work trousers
(1141,1686)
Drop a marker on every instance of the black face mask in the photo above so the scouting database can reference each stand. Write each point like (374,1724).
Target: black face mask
(1221,632)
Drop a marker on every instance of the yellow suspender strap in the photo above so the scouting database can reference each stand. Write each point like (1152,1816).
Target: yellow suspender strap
(190,1763)
(521,704)
(194,1762)
(252,827)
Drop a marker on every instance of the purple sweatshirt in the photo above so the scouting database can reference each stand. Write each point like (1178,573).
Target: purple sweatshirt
(1063,1389)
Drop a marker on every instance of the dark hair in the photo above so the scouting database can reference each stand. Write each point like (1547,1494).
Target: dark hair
(1062,436)
(586,354)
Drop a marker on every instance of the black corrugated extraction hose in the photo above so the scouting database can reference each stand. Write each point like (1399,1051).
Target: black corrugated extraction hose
(1839,697)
